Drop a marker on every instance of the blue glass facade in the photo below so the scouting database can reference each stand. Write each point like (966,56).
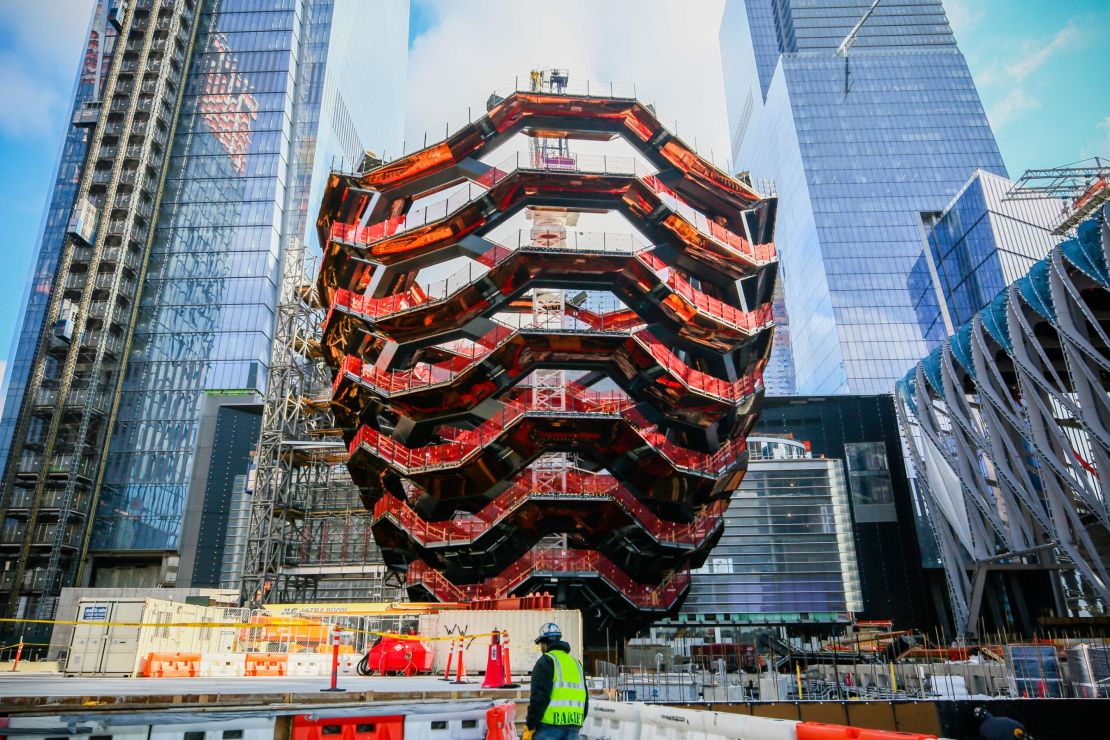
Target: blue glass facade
(978,246)
(858,150)
(277,93)
(99,45)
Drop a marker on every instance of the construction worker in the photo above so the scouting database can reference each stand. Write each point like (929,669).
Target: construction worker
(999,728)
(559,701)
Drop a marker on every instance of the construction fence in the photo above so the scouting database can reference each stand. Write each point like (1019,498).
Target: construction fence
(157,638)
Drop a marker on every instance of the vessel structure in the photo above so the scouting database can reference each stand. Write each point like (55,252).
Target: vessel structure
(548,333)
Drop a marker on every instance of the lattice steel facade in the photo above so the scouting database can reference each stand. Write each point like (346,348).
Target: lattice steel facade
(1008,431)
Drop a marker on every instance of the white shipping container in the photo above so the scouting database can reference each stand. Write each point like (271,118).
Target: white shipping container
(113,645)
(522,625)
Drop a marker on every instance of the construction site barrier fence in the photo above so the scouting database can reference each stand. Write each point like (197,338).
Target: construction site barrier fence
(447,721)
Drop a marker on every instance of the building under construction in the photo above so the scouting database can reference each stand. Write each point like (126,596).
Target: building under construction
(565,409)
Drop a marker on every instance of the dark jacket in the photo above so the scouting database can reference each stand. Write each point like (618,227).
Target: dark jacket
(543,678)
(1001,728)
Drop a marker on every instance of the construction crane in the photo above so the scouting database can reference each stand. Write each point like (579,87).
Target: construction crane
(1082,187)
(850,40)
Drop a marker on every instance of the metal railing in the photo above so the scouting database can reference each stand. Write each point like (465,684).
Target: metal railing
(467,444)
(579,485)
(553,562)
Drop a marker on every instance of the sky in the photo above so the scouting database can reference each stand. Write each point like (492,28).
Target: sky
(1040,68)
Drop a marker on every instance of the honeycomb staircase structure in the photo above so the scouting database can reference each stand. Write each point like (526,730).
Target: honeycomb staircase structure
(509,438)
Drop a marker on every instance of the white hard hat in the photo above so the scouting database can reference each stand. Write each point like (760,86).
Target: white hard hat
(549,631)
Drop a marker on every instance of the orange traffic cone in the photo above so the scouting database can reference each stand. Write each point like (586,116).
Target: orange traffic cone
(505,657)
(495,668)
(460,668)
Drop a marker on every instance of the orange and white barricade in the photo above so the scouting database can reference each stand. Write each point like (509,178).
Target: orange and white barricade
(222,664)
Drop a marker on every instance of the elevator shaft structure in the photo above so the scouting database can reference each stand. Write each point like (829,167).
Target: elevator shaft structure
(568,410)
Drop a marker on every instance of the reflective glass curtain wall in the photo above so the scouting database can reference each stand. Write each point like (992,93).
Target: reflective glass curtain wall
(787,552)
(99,45)
(857,150)
(978,246)
(262,119)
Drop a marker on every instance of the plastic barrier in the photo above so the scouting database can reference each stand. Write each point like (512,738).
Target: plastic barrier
(609,720)
(171,665)
(726,725)
(34,728)
(222,664)
(638,721)
(246,728)
(391,727)
(666,723)
(265,664)
(501,722)
(822,731)
(308,664)
(348,664)
(465,725)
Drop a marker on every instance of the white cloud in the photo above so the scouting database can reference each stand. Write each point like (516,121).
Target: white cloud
(1099,145)
(1011,106)
(1035,54)
(49,33)
(39,64)
(669,50)
(1018,74)
(29,108)
(962,17)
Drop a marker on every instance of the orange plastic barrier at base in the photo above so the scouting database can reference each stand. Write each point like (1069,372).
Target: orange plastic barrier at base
(171,665)
(391,727)
(266,664)
(500,722)
(822,731)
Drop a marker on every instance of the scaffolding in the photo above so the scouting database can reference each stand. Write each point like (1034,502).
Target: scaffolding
(1082,187)
(308,534)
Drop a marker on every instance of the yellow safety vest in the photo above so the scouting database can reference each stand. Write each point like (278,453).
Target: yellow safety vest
(568,692)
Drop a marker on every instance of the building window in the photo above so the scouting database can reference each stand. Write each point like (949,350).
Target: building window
(869,482)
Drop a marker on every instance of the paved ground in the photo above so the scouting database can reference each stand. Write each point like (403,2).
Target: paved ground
(32,685)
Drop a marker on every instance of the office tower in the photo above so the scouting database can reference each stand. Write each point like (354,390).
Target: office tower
(859,142)
(862,432)
(981,243)
(787,554)
(1007,424)
(206,128)
(567,411)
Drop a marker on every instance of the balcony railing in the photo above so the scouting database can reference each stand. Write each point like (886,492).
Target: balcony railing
(471,191)
(467,444)
(554,562)
(574,485)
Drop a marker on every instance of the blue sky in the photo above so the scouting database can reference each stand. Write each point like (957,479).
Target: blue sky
(1040,68)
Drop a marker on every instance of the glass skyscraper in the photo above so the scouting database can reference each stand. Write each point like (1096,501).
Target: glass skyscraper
(163,356)
(859,147)
(980,244)
(272,105)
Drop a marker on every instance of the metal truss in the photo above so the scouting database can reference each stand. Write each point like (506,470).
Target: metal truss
(1082,187)
(1008,424)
